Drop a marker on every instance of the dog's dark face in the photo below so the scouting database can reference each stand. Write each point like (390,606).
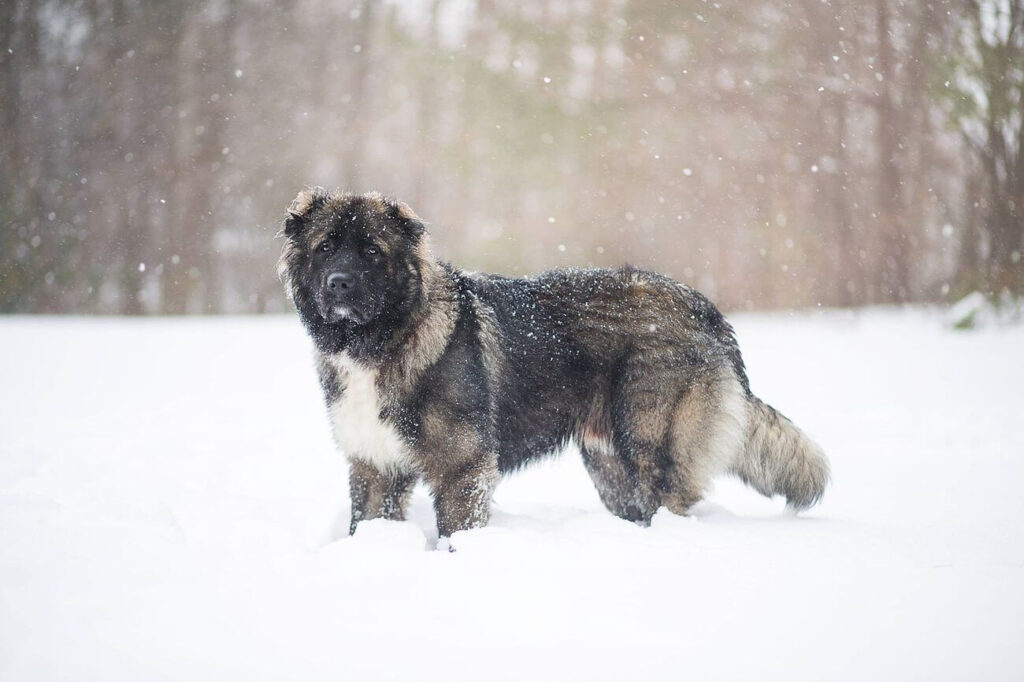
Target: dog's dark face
(350,261)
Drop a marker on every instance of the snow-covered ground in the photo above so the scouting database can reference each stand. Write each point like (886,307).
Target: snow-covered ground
(171,508)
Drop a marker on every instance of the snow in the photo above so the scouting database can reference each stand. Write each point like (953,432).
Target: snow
(171,509)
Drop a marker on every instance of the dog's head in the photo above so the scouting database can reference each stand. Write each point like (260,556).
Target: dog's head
(350,259)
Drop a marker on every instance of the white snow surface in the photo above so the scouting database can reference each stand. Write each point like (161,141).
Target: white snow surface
(171,508)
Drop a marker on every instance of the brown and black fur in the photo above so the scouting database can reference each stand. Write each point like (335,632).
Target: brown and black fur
(476,375)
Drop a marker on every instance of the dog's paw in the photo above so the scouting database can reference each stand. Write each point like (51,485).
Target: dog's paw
(445,544)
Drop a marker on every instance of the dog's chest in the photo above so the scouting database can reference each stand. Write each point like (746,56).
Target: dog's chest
(355,417)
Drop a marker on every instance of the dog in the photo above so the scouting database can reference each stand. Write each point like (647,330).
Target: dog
(455,378)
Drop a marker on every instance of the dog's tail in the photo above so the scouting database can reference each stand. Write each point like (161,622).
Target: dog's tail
(778,459)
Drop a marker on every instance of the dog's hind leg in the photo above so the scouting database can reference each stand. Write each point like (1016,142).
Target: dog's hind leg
(708,429)
(377,494)
(629,467)
(616,484)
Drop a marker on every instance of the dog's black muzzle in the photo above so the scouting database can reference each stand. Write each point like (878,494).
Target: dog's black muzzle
(341,298)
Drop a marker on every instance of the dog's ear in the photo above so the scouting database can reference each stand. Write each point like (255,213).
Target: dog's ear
(407,219)
(302,206)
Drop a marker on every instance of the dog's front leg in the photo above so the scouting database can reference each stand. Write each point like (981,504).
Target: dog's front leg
(377,494)
(462,493)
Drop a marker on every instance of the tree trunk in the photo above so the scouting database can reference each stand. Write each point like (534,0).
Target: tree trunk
(891,219)
(358,127)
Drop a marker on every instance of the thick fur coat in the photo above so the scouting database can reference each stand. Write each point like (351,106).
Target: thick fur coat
(455,378)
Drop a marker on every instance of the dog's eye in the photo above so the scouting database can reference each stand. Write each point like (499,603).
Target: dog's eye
(325,247)
(372,250)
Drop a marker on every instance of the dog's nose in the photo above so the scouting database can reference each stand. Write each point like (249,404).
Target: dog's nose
(339,281)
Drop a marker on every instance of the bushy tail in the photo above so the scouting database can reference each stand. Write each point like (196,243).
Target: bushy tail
(780,460)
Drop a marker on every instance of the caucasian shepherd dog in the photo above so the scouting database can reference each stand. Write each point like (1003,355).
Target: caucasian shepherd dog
(454,378)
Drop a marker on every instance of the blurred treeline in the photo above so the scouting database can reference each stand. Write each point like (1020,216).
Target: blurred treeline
(772,153)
